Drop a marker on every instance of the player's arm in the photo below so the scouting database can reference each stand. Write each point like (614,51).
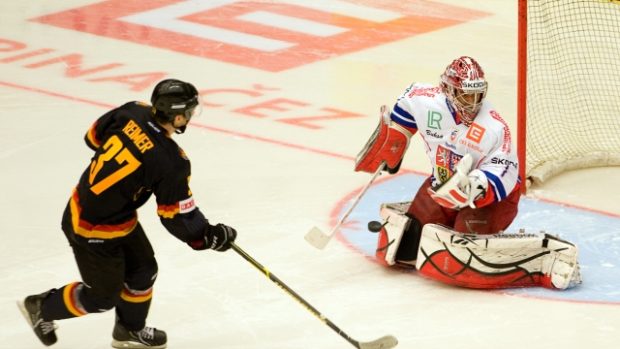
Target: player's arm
(195,230)
(466,187)
(388,143)
(503,179)
(480,185)
(500,171)
(97,132)
(179,214)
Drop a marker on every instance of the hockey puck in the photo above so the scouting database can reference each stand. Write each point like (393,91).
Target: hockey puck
(375,226)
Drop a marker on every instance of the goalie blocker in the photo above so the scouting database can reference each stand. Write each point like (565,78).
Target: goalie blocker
(477,261)
(388,144)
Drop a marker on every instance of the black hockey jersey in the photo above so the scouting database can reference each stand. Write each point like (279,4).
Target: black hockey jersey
(134,158)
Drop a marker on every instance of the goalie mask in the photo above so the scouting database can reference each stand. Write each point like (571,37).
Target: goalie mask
(173,97)
(464,84)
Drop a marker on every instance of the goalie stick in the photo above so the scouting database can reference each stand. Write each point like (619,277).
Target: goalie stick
(318,238)
(385,342)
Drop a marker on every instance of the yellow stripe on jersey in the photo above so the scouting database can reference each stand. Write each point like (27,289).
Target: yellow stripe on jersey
(167,211)
(92,231)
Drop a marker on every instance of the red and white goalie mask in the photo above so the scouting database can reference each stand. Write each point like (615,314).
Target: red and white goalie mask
(464,84)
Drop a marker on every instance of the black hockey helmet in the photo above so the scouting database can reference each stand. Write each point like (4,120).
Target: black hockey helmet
(172,97)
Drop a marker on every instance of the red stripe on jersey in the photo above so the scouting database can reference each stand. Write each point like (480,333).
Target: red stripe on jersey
(91,136)
(168,211)
(98,231)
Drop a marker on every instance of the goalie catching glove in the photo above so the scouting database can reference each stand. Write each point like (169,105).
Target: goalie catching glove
(387,144)
(216,237)
(463,189)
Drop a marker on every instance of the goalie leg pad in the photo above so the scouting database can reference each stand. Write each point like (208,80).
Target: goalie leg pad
(497,261)
(390,236)
(408,248)
(560,267)
(489,219)
(426,210)
(387,144)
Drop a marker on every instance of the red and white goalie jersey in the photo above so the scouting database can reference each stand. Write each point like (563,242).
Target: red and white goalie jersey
(425,108)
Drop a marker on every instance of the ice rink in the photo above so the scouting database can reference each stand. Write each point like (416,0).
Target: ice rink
(291,91)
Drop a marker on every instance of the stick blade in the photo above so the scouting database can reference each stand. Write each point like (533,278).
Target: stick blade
(385,342)
(317,238)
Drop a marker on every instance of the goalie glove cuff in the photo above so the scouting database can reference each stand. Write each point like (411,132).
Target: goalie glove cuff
(478,189)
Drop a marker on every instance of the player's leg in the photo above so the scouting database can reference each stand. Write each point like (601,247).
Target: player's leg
(423,210)
(426,210)
(400,236)
(101,268)
(397,236)
(490,219)
(135,298)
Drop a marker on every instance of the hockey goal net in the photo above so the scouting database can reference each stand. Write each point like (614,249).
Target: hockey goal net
(569,86)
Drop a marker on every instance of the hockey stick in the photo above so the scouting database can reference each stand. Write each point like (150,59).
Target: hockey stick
(318,238)
(385,342)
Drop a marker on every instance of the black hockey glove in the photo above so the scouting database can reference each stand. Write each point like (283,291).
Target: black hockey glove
(216,237)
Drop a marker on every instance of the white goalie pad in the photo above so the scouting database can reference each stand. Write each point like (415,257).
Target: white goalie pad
(497,261)
(395,224)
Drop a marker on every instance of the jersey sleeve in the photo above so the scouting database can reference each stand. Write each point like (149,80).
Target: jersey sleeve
(175,204)
(402,112)
(501,168)
(98,131)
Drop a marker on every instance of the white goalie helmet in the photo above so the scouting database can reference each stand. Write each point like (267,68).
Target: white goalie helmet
(465,86)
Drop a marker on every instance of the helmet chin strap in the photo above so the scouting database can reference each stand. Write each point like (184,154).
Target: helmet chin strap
(180,130)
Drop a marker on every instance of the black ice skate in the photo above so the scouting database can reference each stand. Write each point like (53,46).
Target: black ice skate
(148,337)
(31,309)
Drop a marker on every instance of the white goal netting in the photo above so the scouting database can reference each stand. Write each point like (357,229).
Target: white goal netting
(573,86)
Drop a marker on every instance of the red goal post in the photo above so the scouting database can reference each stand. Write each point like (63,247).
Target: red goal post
(568,94)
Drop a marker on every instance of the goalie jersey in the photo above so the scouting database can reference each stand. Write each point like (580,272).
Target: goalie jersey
(425,109)
(134,158)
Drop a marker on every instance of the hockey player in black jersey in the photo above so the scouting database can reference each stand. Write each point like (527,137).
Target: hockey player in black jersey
(135,157)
